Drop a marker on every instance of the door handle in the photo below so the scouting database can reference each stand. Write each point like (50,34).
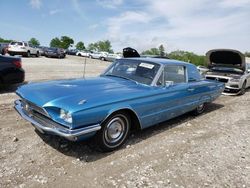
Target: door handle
(190,89)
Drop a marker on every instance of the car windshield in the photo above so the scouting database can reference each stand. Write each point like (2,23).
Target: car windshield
(227,69)
(16,43)
(138,71)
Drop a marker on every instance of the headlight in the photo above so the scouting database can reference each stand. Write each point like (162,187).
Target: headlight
(235,80)
(66,116)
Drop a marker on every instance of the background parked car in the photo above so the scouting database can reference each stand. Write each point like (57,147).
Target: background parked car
(83,53)
(98,55)
(71,51)
(22,48)
(11,71)
(111,57)
(42,50)
(202,69)
(55,52)
(229,66)
(3,48)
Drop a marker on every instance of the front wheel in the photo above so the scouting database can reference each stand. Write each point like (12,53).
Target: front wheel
(243,88)
(114,132)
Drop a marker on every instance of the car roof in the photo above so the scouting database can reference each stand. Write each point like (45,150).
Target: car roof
(160,61)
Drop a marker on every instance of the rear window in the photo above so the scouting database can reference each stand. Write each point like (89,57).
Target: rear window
(16,43)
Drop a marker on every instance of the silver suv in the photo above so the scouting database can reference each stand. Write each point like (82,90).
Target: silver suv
(22,48)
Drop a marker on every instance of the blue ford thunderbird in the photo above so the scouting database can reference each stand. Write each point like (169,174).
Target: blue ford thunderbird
(133,93)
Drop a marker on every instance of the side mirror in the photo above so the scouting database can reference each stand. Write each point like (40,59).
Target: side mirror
(169,83)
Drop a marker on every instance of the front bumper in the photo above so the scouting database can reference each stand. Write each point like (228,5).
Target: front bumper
(54,128)
(231,91)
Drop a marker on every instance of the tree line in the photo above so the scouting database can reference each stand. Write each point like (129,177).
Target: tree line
(105,45)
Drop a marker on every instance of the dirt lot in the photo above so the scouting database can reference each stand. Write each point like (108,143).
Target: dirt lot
(211,150)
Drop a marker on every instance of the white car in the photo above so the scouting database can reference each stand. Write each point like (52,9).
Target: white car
(111,57)
(229,66)
(22,48)
(98,55)
(83,53)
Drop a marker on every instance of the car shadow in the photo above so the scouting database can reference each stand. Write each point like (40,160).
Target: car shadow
(10,88)
(86,152)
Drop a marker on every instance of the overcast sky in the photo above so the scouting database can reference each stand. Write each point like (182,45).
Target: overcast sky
(193,25)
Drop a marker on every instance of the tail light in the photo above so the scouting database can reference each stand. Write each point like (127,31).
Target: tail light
(18,64)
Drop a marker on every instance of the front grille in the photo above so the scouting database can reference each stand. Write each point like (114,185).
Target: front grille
(31,107)
(224,80)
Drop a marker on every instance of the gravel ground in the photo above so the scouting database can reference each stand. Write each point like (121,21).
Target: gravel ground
(211,150)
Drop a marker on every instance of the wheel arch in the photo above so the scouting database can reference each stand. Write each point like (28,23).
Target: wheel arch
(135,120)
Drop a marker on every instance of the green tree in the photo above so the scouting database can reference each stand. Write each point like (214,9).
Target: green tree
(162,50)
(247,54)
(188,57)
(152,51)
(80,46)
(64,42)
(93,47)
(34,42)
(5,40)
(104,45)
(55,42)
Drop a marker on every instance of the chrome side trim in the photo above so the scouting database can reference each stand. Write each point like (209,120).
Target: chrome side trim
(55,128)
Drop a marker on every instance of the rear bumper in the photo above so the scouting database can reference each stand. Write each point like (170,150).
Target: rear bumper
(13,76)
(55,128)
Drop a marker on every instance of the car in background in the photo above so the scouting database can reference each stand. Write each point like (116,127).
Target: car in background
(83,53)
(71,51)
(202,69)
(42,50)
(3,48)
(22,48)
(229,66)
(98,55)
(112,57)
(133,93)
(11,71)
(55,52)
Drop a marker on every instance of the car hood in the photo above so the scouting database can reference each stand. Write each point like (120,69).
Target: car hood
(79,94)
(226,57)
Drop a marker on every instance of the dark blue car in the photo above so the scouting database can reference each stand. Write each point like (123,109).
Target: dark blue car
(133,93)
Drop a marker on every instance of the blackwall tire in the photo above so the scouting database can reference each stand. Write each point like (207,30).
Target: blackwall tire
(199,109)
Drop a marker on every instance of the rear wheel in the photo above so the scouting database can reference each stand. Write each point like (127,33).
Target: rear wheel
(37,54)
(102,58)
(79,54)
(243,88)
(114,132)
(28,54)
(199,109)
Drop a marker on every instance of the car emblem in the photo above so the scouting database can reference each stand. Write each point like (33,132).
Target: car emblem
(82,102)
(217,79)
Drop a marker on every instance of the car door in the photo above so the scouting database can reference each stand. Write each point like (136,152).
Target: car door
(172,97)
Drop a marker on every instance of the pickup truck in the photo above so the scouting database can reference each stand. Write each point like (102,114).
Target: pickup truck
(23,48)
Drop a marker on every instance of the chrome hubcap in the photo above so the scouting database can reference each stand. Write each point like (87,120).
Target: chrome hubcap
(115,130)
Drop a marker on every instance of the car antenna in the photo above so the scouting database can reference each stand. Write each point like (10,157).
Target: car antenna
(84,67)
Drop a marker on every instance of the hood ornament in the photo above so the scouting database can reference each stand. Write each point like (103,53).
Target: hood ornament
(82,102)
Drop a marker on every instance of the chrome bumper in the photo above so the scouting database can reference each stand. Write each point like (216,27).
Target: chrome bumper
(53,127)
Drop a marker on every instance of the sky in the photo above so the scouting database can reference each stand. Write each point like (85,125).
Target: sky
(193,25)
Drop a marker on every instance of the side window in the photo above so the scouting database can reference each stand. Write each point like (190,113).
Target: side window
(174,74)
(25,44)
